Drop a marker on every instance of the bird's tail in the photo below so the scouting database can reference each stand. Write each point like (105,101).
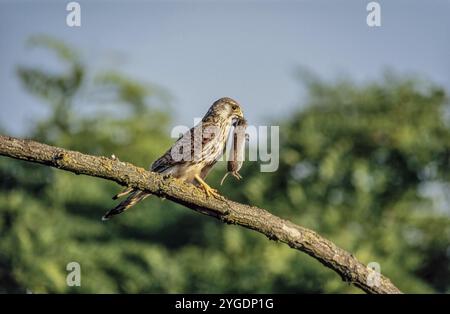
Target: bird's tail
(126,191)
(135,197)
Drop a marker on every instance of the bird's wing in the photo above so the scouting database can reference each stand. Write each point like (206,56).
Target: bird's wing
(163,163)
(167,160)
(193,147)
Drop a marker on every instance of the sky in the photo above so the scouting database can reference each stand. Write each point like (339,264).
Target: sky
(248,50)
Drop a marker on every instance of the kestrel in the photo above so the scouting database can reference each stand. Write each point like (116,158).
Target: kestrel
(193,155)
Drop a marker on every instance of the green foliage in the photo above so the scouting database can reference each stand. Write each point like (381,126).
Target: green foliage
(355,165)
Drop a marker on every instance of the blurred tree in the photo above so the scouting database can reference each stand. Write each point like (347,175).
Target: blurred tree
(355,165)
(358,165)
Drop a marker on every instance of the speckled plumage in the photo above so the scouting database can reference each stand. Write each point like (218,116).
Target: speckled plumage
(194,154)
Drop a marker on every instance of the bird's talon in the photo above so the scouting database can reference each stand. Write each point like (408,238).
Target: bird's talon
(210,192)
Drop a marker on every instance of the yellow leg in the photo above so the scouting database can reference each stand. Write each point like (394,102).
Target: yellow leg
(208,190)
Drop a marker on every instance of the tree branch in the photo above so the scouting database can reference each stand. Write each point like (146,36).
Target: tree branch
(275,228)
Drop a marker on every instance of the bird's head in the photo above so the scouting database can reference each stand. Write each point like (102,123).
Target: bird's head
(226,108)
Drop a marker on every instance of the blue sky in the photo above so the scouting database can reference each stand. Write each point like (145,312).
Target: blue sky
(248,50)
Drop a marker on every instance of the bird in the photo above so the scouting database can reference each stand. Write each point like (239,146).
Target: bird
(193,155)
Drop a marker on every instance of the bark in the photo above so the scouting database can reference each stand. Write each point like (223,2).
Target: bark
(260,220)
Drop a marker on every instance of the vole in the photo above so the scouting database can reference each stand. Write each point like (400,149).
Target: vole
(237,152)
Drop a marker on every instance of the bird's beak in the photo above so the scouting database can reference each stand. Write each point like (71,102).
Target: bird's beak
(239,113)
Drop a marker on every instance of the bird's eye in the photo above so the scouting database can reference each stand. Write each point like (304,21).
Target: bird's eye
(234,107)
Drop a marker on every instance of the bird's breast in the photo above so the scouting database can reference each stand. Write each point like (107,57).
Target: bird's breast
(213,149)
